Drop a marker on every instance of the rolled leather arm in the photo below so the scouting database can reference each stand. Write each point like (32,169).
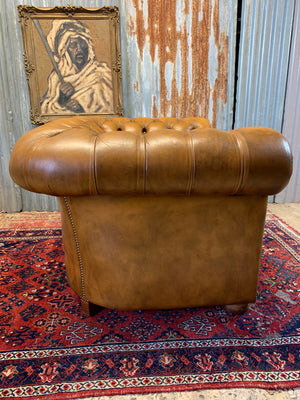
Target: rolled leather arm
(93,155)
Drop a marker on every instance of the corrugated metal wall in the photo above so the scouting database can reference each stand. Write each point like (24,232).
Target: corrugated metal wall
(291,122)
(266,27)
(177,59)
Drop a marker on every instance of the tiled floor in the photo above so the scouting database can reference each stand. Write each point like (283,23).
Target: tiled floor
(290,213)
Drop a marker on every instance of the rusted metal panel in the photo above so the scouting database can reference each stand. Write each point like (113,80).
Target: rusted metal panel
(179,58)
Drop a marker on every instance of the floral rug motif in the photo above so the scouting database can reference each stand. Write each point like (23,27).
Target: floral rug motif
(49,349)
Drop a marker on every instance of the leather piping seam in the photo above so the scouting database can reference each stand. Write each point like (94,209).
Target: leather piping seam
(141,164)
(243,152)
(191,163)
(77,248)
(145,163)
(93,163)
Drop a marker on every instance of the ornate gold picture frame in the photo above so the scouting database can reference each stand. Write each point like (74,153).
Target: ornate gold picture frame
(72,61)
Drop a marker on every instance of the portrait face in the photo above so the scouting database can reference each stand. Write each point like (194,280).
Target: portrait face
(78,51)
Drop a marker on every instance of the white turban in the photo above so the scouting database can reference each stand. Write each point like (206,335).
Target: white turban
(58,39)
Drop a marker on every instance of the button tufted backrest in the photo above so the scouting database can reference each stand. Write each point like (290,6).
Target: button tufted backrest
(94,155)
(147,125)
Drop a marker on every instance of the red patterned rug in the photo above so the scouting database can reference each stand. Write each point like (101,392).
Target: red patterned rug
(49,348)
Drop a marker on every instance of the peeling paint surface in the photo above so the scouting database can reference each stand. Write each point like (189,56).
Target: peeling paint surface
(183,47)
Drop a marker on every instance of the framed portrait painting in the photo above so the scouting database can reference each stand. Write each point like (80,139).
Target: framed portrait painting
(72,61)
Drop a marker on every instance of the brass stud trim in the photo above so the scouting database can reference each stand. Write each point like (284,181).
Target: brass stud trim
(77,248)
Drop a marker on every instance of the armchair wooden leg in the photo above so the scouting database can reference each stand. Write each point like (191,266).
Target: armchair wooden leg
(89,308)
(237,308)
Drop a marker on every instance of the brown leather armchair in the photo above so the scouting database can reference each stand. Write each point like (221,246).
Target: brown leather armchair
(156,213)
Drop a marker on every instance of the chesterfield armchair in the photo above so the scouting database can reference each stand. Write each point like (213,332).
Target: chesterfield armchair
(156,213)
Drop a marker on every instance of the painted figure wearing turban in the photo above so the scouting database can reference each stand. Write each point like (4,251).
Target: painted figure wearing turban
(85,84)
